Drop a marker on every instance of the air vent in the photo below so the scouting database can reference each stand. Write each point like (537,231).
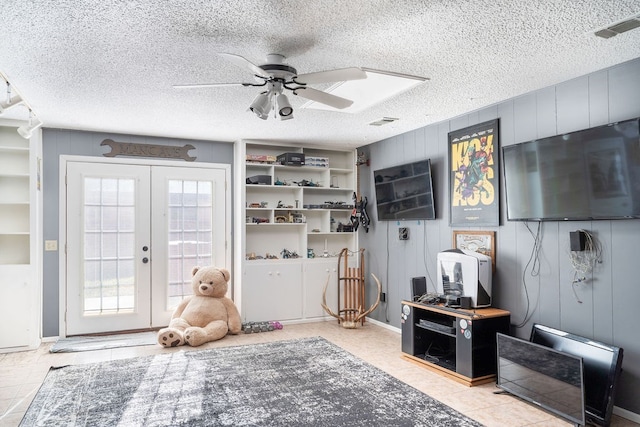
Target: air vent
(619,28)
(384,121)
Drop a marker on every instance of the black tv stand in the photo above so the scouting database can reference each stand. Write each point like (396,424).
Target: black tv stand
(459,343)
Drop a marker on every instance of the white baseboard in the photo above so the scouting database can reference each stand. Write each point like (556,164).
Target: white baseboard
(384,325)
(32,346)
(333,319)
(631,416)
(49,339)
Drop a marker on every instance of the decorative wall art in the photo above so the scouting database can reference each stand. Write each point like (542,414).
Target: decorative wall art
(473,175)
(483,242)
(133,149)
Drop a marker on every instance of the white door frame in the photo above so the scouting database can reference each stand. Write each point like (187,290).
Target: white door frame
(62,221)
(138,314)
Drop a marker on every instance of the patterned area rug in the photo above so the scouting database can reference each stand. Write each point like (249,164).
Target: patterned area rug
(304,382)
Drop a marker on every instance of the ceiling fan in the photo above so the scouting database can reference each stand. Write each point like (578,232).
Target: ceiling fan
(276,76)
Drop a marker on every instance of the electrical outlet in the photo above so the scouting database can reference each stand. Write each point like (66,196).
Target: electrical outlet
(50,245)
(403,233)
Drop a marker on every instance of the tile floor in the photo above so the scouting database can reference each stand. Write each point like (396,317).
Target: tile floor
(22,373)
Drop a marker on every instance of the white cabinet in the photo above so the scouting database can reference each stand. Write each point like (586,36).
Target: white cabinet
(19,290)
(316,274)
(272,291)
(294,215)
(19,308)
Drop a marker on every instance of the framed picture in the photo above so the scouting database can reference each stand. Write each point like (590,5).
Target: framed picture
(477,241)
(474,175)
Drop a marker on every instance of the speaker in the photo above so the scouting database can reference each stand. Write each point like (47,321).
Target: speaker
(408,330)
(465,302)
(418,286)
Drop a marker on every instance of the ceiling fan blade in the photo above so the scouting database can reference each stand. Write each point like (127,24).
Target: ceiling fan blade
(341,75)
(323,97)
(203,85)
(245,63)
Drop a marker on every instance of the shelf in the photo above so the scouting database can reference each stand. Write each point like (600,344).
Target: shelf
(335,184)
(275,224)
(438,331)
(444,362)
(349,190)
(15,249)
(14,203)
(11,149)
(329,233)
(15,217)
(10,140)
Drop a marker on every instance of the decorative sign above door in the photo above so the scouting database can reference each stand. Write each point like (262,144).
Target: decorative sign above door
(148,150)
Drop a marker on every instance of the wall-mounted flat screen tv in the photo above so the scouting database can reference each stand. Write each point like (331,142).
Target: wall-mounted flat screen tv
(405,192)
(583,175)
(602,367)
(543,376)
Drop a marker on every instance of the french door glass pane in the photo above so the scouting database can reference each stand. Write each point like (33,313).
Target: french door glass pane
(190,234)
(109,264)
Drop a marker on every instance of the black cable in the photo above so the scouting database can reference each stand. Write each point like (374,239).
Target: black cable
(535,269)
(424,258)
(386,306)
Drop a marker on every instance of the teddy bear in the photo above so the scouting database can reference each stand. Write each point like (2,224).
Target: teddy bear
(205,316)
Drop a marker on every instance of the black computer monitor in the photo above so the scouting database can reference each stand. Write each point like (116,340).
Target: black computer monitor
(602,367)
(543,376)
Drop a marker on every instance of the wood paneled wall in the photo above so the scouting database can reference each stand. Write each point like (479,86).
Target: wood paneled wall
(610,299)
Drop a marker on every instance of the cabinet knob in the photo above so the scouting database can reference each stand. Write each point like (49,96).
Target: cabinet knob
(145,248)
(145,260)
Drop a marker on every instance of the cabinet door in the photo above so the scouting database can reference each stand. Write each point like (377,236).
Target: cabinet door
(272,291)
(316,273)
(21,312)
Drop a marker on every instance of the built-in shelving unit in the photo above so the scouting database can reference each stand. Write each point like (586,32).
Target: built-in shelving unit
(297,219)
(18,271)
(298,208)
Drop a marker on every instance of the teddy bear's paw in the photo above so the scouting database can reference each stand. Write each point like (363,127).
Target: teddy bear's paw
(195,336)
(170,338)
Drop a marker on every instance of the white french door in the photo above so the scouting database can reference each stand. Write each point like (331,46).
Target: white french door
(134,232)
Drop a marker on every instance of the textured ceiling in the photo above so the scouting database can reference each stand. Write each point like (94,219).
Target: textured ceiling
(109,65)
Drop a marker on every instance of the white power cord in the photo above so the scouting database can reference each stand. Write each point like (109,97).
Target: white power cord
(584,261)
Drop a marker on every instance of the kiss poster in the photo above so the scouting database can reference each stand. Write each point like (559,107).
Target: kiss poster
(474,175)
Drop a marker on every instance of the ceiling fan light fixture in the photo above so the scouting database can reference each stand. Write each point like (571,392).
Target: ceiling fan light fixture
(284,107)
(261,105)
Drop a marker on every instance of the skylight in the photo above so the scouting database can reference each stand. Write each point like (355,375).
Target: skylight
(377,87)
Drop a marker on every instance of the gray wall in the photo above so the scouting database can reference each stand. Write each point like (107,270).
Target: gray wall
(65,142)
(610,298)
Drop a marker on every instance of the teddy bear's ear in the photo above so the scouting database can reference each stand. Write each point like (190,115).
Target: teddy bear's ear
(225,273)
(194,271)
